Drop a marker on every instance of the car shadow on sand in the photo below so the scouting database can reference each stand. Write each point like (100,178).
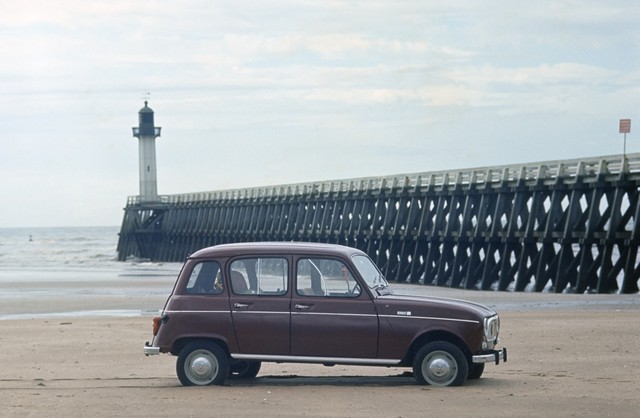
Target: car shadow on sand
(402,379)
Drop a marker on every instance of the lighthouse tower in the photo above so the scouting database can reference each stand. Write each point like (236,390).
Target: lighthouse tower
(146,133)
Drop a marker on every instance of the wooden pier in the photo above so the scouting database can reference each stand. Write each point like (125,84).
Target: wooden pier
(562,226)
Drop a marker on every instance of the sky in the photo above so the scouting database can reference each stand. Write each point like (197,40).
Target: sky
(258,93)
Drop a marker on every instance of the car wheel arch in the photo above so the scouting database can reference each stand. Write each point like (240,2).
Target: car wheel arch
(181,343)
(432,336)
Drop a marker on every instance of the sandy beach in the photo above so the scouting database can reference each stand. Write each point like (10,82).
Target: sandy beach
(569,356)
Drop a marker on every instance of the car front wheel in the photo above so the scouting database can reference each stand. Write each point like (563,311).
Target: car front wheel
(440,364)
(202,363)
(475,371)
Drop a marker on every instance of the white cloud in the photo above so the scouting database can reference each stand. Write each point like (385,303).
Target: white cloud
(543,74)
(582,12)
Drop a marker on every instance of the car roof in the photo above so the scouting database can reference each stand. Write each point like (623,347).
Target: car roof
(230,250)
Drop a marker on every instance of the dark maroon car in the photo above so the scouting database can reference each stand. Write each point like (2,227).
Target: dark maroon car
(236,305)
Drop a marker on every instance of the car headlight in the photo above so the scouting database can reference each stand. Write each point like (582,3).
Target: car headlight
(491,331)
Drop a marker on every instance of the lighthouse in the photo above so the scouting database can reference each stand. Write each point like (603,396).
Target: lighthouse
(147,133)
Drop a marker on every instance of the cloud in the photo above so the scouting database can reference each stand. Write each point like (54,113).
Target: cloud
(582,12)
(563,72)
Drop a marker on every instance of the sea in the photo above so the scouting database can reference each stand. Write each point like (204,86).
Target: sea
(73,271)
(58,248)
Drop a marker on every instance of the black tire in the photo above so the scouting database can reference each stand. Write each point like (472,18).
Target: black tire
(202,363)
(244,369)
(475,371)
(440,364)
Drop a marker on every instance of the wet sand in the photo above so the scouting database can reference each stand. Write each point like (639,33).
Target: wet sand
(569,356)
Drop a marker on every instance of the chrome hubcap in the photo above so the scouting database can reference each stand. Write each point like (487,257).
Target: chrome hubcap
(201,366)
(439,368)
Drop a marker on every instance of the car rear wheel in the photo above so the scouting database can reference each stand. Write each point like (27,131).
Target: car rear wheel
(440,364)
(202,363)
(244,369)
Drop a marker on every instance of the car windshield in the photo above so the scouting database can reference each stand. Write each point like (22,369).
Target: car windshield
(369,272)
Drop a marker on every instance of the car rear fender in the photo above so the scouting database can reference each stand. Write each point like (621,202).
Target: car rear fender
(179,344)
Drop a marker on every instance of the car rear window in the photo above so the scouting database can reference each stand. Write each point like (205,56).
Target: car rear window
(205,279)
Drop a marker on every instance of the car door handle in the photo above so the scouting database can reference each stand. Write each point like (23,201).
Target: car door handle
(302,307)
(241,305)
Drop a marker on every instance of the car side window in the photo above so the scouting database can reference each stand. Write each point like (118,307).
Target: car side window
(260,276)
(325,277)
(205,278)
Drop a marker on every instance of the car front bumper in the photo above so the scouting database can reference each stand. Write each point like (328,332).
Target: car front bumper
(491,356)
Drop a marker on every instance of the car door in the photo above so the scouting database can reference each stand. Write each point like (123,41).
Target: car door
(260,300)
(331,315)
